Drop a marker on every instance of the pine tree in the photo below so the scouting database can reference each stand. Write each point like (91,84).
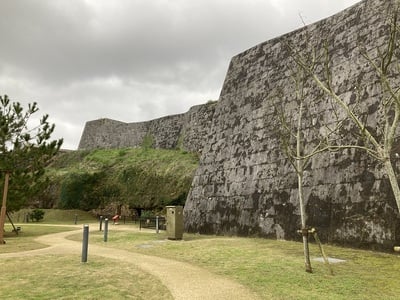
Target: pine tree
(25,150)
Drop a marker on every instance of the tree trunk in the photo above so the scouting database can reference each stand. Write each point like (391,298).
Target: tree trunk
(304,229)
(300,173)
(307,262)
(393,181)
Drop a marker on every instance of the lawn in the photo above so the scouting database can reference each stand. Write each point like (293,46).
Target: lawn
(64,276)
(25,238)
(56,216)
(272,269)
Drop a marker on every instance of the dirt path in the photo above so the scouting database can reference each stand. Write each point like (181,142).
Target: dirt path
(183,280)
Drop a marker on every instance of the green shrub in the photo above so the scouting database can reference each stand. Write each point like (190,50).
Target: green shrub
(148,142)
(142,178)
(37,215)
(82,191)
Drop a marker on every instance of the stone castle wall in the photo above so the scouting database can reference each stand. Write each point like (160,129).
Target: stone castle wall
(186,131)
(244,185)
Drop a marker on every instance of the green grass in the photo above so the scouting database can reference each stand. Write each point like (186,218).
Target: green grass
(105,158)
(272,269)
(57,216)
(29,231)
(141,177)
(25,238)
(158,160)
(64,277)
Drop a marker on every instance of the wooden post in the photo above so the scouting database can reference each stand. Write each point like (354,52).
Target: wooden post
(4,207)
(15,229)
(321,249)
(101,223)
(307,262)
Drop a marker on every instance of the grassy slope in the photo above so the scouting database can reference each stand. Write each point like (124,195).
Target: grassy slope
(142,177)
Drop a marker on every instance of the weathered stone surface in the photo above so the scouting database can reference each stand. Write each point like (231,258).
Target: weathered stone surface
(185,131)
(244,184)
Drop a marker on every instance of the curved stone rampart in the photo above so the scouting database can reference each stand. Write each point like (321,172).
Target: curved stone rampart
(245,186)
(185,131)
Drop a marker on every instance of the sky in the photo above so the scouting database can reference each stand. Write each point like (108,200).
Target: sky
(132,60)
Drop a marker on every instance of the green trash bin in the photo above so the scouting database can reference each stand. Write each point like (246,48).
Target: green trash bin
(174,222)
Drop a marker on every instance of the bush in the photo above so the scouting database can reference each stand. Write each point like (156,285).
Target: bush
(148,142)
(37,215)
(82,191)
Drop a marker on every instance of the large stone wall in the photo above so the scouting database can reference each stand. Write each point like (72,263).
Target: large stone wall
(245,186)
(185,131)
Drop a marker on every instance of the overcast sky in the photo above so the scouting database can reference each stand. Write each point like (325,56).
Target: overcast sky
(133,60)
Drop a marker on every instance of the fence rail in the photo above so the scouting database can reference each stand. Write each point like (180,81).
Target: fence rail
(144,222)
(151,222)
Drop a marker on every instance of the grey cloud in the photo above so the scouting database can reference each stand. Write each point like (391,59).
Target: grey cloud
(69,42)
(132,60)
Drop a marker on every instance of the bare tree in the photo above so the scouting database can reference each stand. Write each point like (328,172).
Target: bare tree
(292,130)
(379,142)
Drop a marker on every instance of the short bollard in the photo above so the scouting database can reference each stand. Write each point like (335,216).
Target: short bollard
(101,223)
(76,219)
(105,229)
(85,242)
(157,224)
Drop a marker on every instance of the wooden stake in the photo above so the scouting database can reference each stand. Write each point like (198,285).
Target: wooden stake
(314,232)
(4,207)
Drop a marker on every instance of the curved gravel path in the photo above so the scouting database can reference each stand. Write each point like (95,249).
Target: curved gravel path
(183,280)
